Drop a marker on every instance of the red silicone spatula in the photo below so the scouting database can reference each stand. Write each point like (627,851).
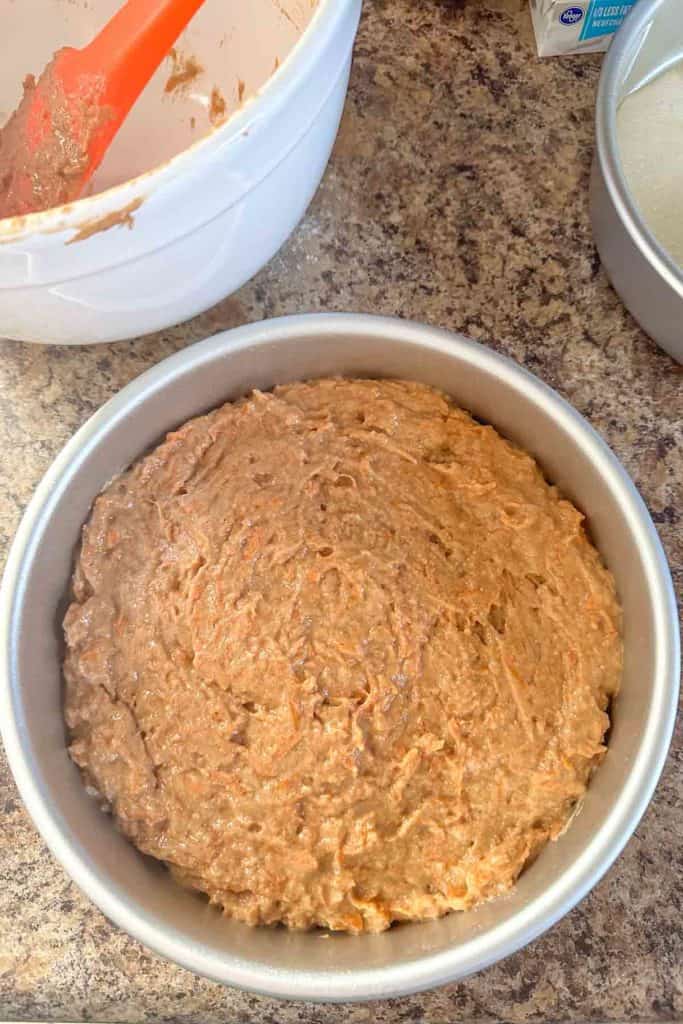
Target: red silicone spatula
(60,132)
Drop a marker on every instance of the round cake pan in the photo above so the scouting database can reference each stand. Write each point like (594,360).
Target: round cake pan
(648,281)
(138,893)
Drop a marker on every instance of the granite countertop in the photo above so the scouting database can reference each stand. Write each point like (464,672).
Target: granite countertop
(457,195)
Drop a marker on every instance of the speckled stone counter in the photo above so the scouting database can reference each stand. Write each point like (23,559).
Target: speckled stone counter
(457,195)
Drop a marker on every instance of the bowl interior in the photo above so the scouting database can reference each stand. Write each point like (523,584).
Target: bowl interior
(230,49)
(137,892)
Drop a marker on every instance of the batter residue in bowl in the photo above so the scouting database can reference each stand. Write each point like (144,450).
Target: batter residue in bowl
(185,69)
(339,656)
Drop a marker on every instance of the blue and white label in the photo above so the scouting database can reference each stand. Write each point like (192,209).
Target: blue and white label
(604,17)
(571,15)
(577,26)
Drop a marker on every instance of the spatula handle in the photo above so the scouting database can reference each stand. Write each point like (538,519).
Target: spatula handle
(132,45)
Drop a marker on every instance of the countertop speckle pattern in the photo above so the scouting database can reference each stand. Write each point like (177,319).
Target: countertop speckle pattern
(457,195)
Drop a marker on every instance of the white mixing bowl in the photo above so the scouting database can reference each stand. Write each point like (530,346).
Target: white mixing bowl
(186,217)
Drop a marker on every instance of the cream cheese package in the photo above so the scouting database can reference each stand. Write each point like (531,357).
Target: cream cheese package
(585,26)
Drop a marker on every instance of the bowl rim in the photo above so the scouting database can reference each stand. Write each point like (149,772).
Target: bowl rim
(616,66)
(264,104)
(540,913)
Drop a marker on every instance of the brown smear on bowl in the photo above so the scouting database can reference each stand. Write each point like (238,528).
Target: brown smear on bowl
(185,69)
(285,14)
(217,107)
(118,218)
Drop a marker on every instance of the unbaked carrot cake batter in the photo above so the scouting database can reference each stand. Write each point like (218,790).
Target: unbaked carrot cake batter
(339,656)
